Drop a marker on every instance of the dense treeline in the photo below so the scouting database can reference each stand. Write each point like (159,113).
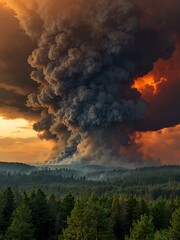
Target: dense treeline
(154,182)
(35,216)
(14,168)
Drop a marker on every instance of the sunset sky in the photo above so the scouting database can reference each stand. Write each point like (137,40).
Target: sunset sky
(18,140)
(19,143)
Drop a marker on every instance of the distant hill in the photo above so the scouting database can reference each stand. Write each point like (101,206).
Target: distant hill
(155,181)
(79,167)
(91,172)
(16,168)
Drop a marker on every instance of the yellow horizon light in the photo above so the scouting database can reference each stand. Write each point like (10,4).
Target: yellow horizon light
(15,128)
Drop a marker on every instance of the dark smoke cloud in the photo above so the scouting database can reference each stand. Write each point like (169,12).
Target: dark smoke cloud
(159,14)
(15,82)
(163,110)
(88,55)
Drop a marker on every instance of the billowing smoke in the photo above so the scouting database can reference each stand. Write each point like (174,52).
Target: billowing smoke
(15,82)
(88,54)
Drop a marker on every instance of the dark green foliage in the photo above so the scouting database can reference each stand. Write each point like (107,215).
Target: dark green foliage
(40,219)
(143,229)
(119,216)
(1,237)
(142,207)
(161,235)
(125,207)
(161,213)
(21,227)
(132,209)
(88,221)
(76,225)
(53,210)
(7,206)
(68,205)
(152,182)
(98,221)
(174,231)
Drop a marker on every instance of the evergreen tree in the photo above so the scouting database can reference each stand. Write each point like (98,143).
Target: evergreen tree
(132,209)
(25,199)
(119,216)
(61,222)
(143,229)
(161,235)
(161,214)
(68,203)
(40,218)
(142,207)
(6,209)
(67,206)
(174,231)
(77,229)
(98,221)
(88,222)
(21,227)
(53,213)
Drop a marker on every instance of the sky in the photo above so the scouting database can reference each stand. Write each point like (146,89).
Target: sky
(19,143)
(157,136)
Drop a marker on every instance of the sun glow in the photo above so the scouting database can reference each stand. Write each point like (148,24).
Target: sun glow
(16,128)
(17,138)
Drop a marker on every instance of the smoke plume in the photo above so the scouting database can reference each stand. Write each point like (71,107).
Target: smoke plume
(88,55)
(15,82)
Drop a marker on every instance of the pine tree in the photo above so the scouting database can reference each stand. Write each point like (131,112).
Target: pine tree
(40,218)
(161,215)
(119,216)
(174,231)
(98,221)
(132,209)
(53,213)
(143,229)
(6,209)
(88,221)
(67,205)
(21,227)
(142,207)
(161,235)
(76,229)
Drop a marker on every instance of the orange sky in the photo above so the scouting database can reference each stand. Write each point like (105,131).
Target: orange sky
(19,143)
(163,145)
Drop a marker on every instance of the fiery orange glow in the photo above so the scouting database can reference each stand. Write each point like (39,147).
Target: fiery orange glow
(148,82)
(162,145)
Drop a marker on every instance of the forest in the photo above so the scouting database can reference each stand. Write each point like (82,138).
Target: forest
(66,204)
(89,203)
(37,216)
